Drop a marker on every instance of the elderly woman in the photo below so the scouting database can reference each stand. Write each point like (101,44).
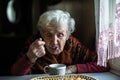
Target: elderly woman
(55,44)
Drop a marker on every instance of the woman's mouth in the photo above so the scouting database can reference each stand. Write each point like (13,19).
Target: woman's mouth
(53,47)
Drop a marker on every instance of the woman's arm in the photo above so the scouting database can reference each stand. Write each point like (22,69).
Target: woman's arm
(91,67)
(84,60)
(22,66)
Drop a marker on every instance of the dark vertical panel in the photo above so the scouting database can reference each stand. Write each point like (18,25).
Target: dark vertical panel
(87,23)
(13,35)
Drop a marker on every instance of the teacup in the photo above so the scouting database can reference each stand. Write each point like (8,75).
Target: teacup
(55,69)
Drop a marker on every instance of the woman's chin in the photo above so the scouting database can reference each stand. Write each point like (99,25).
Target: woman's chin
(55,52)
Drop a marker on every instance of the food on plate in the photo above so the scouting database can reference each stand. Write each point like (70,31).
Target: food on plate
(74,79)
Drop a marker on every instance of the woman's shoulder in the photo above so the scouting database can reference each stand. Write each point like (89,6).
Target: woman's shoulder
(73,39)
(72,42)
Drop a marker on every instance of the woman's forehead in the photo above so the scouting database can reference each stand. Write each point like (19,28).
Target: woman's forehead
(56,29)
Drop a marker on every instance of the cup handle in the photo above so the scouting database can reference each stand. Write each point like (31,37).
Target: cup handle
(46,69)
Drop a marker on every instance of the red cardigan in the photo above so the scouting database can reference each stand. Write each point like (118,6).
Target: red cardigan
(74,53)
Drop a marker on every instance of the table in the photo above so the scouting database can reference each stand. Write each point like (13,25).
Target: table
(98,76)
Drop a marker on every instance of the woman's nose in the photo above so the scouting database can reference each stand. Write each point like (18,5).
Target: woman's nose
(54,40)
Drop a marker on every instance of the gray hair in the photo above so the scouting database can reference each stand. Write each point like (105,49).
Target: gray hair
(56,18)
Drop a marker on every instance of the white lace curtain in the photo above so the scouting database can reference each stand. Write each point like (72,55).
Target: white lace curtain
(107,13)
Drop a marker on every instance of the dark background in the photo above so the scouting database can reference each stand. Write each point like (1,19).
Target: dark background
(14,35)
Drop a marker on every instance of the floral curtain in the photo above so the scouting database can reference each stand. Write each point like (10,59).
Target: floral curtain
(107,30)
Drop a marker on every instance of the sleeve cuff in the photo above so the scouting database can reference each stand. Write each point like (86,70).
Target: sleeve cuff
(82,68)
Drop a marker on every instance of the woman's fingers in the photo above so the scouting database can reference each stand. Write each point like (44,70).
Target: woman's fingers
(38,48)
(40,42)
(40,52)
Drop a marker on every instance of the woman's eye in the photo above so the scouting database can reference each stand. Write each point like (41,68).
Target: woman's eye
(47,34)
(60,35)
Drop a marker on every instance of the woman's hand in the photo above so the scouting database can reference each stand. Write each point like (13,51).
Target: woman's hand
(36,50)
(71,69)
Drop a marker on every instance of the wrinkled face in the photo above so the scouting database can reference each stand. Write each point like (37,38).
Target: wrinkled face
(55,39)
